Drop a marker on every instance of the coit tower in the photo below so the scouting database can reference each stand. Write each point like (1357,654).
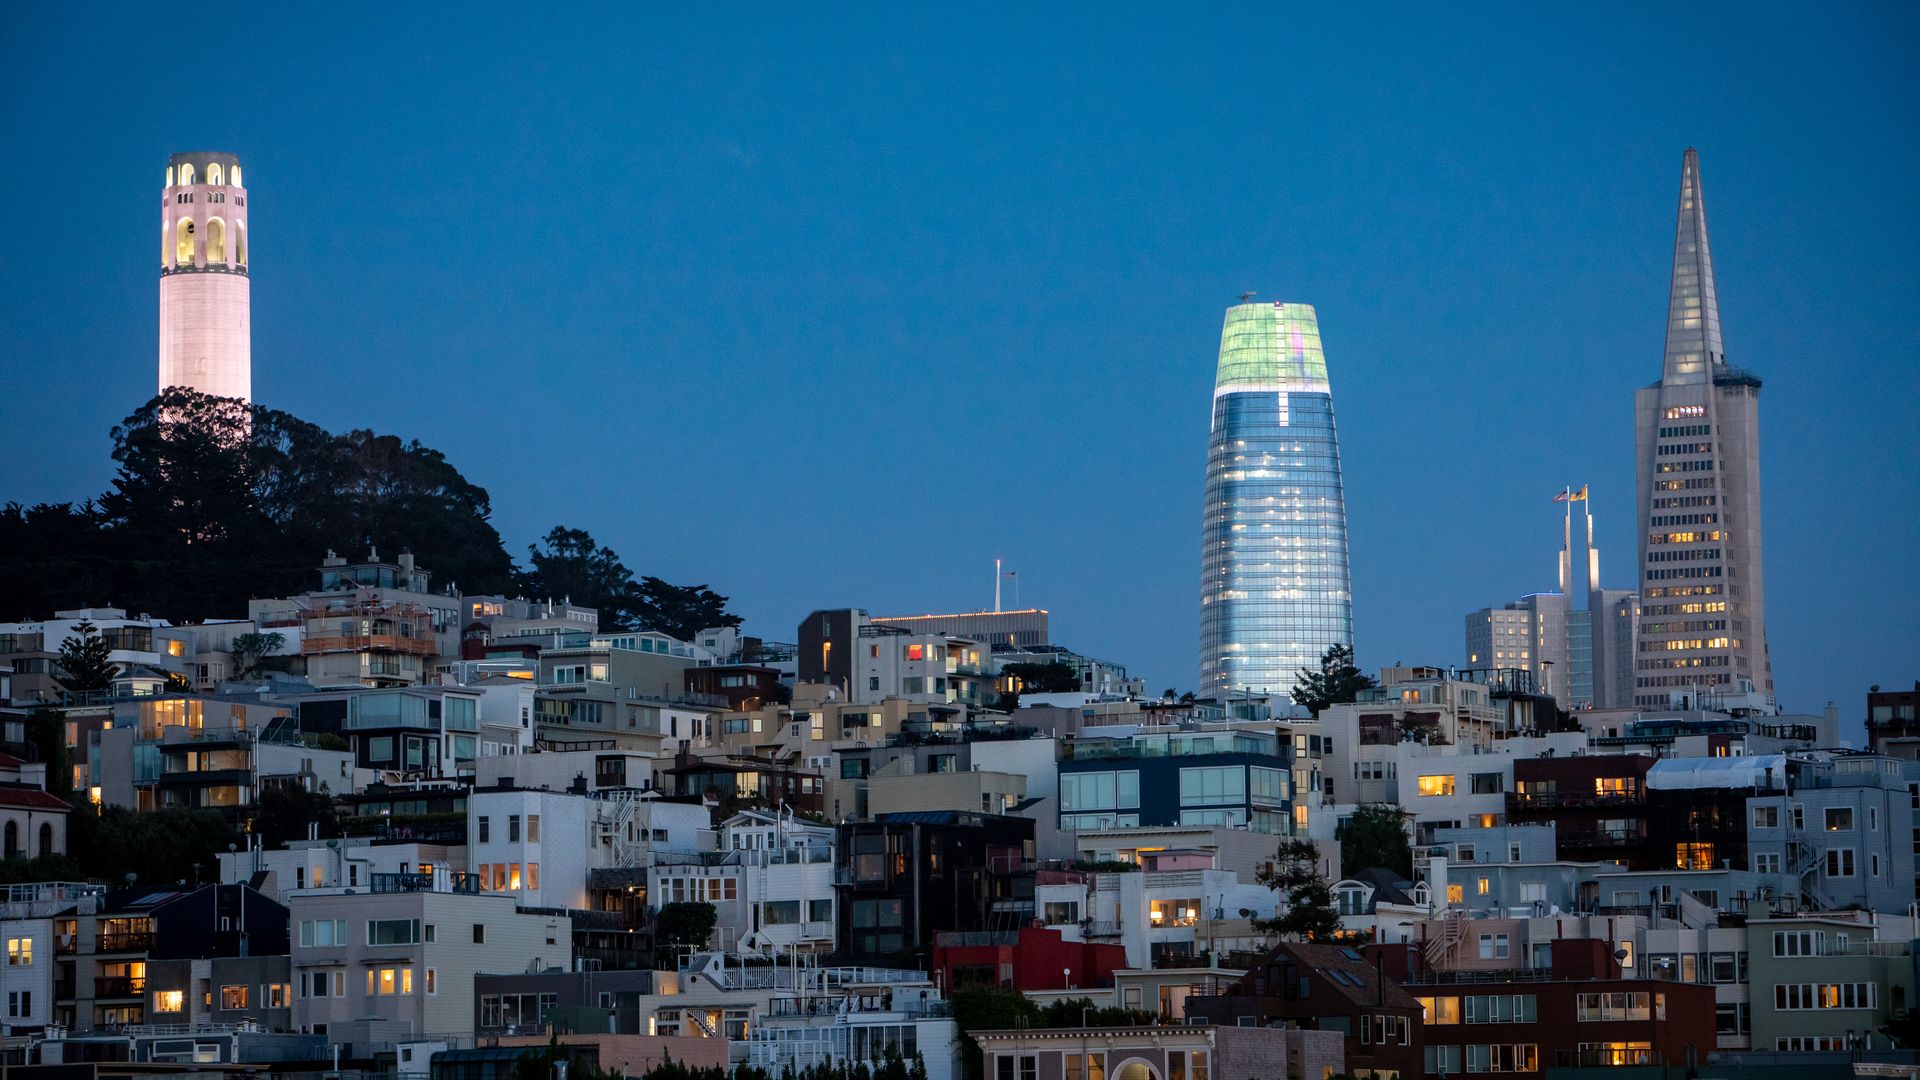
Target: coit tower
(1274,588)
(206,331)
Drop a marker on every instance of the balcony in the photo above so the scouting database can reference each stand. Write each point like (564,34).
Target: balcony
(450,882)
(120,986)
(1547,801)
(348,643)
(124,941)
(1600,838)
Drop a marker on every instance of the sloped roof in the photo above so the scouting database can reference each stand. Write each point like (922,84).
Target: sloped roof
(32,799)
(1347,970)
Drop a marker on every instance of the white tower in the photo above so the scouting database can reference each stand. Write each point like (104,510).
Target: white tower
(206,329)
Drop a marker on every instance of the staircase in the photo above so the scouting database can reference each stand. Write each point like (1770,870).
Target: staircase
(1453,930)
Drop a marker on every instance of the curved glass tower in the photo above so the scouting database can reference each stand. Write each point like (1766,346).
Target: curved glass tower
(1274,585)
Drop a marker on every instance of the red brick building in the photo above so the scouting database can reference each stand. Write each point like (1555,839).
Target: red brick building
(1031,959)
(1578,1013)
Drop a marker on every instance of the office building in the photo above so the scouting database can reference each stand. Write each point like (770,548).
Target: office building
(206,328)
(1275,590)
(1697,436)
(1021,629)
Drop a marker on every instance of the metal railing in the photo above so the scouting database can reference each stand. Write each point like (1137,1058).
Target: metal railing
(127,941)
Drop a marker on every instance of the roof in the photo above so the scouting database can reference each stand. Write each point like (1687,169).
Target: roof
(9,761)
(1679,774)
(1388,887)
(33,799)
(1347,970)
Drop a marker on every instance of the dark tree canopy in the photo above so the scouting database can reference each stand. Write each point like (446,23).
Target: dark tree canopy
(84,660)
(683,925)
(285,813)
(1308,913)
(681,611)
(1376,835)
(568,564)
(1336,683)
(216,501)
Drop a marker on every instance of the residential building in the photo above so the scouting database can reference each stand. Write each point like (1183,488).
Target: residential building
(1825,983)
(1177,907)
(1030,958)
(770,883)
(867,661)
(1134,778)
(220,957)
(1275,591)
(145,650)
(1581,1011)
(371,623)
(1153,1053)
(407,950)
(1327,988)
(865,1023)
(903,878)
(29,918)
(1596,803)
(1891,726)
(1098,678)
(1022,629)
(33,823)
(1697,441)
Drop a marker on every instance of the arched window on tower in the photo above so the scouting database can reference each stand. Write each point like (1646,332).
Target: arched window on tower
(166,243)
(233,176)
(213,173)
(183,242)
(216,240)
(186,175)
(169,176)
(240,243)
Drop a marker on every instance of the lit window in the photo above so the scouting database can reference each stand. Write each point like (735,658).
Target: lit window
(1436,785)
(169,1001)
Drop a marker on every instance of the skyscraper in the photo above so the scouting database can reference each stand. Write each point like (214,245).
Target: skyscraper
(1697,433)
(1274,585)
(206,335)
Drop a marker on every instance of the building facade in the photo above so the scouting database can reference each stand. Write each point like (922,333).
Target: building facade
(206,322)
(1275,589)
(1697,436)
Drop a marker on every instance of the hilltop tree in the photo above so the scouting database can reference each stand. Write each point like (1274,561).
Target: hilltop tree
(568,564)
(1338,681)
(681,611)
(216,501)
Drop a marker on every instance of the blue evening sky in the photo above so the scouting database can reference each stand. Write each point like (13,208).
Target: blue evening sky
(832,308)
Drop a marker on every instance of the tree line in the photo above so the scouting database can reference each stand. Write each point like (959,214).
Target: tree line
(215,501)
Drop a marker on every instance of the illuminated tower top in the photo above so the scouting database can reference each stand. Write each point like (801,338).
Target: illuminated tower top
(1694,348)
(205,298)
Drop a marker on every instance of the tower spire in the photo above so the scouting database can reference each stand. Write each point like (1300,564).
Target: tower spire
(1693,307)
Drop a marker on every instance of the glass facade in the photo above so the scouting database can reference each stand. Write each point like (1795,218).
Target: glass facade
(1275,588)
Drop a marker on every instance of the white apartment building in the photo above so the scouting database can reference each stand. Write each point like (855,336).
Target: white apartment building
(1178,904)
(406,950)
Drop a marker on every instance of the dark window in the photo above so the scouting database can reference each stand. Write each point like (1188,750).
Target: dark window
(479,933)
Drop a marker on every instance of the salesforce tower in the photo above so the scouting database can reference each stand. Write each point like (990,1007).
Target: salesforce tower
(1275,591)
